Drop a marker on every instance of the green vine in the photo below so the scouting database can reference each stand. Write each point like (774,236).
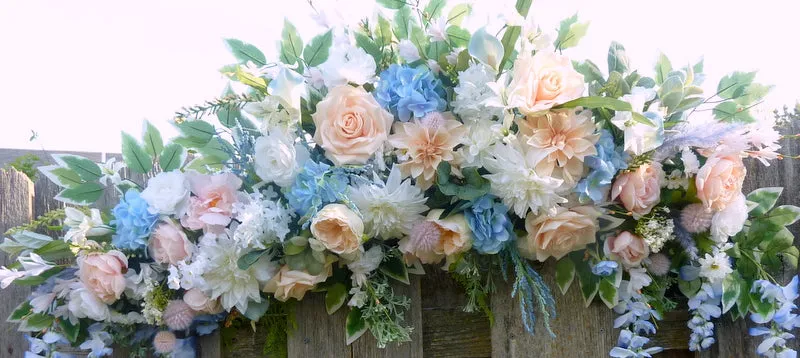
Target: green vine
(215,105)
(51,220)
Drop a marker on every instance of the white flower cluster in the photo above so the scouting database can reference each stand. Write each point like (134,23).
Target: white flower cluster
(656,230)
(473,92)
(389,209)
(262,221)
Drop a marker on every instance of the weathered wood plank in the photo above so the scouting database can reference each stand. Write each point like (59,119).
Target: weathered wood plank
(447,330)
(580,332)
(318,334)
(16,208)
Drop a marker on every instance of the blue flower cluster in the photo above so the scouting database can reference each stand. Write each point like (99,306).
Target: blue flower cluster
(490,225)
(634,320)
(704,306)
(408,91)
(46,345)
(133,222)
(315,186)
(781,320)
(605,268)
(603,167)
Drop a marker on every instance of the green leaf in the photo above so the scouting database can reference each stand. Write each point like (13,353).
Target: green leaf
(403,22)
(474,185)
(791,255)
(419,39)
(249,259)
(36,322)
(512,33)
(137,159)
(615,86)
(218,149)
(256,310)
(458,13)
(229,115)
(172,157)
(434,8)
(608,293)
(392,4)
(23,309)
(732,112)
(292,249)
(63,177)
(781,241)
(317,51)
(355,325)
(730,291)
(759,306)
(689,288)
(38,280)
(589,283)
(70,330)
(291,44)
(32,240)
(755,92)
(735,84)
(617,58)
(663,67)
(198,132)
(437,49)
(335,297)
(153,144)
(245,52)
(764,198)
(458,36)
(565,273)
(743,302)
(84,194)
(85,168)
(570,32)
(248,79)
(597,102)
(369,46)
(590,71)
(383,32)
(394,267)
(55,250)
(784,215)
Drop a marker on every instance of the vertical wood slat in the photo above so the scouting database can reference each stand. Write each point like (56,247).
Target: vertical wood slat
(321,335)
(16,208)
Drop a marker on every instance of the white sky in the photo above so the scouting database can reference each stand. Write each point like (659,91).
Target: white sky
(77,72)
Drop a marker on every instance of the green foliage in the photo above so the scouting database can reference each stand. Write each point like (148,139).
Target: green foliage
(512,33)
(153,143)
(739,94)
(383,314)
(394,266)
(458,13)
(472,186)
(663,68)
(26,164)
(570,32)
(137,159)
(565,273)
(245,52)
(474,273)
(317,51)
(335,297)
(617,58)
(291,45)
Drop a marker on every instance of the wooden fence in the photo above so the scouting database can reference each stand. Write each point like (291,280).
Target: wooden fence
(441,328)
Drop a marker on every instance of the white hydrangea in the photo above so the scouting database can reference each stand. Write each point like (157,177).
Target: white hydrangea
(263,220)
(480,137)
(514,180)
(472,93)
(348,64)
(389,209)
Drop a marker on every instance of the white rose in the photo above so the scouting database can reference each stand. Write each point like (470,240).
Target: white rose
(408,51)
(348,64)
(84,304)
(167,193)
(277,158)
(730,220)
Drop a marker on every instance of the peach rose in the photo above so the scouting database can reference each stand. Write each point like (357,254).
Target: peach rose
(212,206)
(557,235)
(200,302)
(433,239)
(288,283)
(626,247)
(351,125)
(639,190)
(542,81)
(168,244)
(338,228)
(103,274)
(720,180)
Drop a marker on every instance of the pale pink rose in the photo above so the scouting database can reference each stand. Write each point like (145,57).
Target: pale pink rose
(103,274)
(639,190)
(210,207)
(424,144)
(338,228)
(557,235)
(351,125)
(288,283)
(168,244)
(719,181)
(626,247)
(435,238)
(200,302)
(542,81)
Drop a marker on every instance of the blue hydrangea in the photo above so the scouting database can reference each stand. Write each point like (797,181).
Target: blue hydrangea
(605,268)
(490,225)
(408,91)
(316,185)
(780,320)
(603,166)
(133,222)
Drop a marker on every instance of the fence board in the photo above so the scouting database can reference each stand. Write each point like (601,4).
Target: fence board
(16,208)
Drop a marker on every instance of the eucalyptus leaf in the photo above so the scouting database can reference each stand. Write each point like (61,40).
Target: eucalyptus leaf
(617,58)
(249,259)
(256,310)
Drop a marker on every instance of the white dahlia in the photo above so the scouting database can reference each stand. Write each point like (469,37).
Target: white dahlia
(515,181)
(389,209)
(480,137)
(472,92)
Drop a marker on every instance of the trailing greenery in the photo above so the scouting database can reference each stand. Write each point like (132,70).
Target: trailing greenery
(275,325)
(51,220)
(383,312)
(25,164)
(213,106)
(475,274)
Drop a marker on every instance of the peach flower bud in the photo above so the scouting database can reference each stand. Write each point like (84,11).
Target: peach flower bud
(626,247)
(169,245)
(639,190)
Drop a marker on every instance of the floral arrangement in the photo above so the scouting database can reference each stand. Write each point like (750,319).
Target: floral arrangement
(370,151)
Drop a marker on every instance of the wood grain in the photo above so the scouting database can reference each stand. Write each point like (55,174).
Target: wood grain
(318,334)
(16,208)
